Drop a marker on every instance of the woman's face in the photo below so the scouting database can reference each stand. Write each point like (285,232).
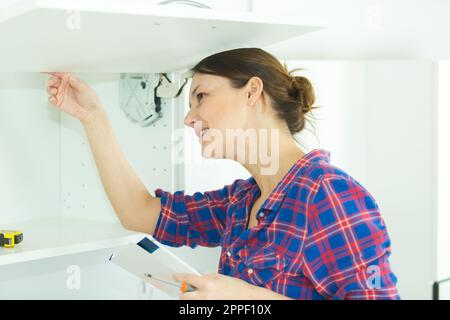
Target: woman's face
(217,110)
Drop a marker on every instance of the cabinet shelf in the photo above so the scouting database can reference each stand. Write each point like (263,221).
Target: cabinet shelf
(53,237)
(129,36)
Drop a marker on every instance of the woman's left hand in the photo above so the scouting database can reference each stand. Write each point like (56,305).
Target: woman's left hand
(217,287)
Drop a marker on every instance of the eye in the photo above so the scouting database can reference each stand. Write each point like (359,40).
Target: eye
(199,95)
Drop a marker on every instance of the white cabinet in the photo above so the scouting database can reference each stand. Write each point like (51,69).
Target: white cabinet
(49,186)
(131,36)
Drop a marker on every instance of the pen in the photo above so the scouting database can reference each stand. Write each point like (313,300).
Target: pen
(185,287)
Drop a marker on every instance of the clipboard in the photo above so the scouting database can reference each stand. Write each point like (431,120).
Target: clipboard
(154,264)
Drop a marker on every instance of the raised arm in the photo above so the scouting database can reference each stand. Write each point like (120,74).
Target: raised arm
(136,209)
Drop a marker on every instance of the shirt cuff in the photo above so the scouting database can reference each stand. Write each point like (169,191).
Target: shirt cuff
(173,221)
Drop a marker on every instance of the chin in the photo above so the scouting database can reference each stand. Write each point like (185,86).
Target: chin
(209,151)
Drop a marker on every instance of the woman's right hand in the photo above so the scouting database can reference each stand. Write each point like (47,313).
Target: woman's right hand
(73,96)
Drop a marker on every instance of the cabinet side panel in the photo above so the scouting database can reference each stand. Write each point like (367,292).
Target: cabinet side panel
(29,149)
(146,148)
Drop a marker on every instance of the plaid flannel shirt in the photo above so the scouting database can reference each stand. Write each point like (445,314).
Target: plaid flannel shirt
(320,234)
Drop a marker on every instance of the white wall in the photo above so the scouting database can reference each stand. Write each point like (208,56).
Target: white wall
(443,222)
(366,29)
(339,123)
(401,159)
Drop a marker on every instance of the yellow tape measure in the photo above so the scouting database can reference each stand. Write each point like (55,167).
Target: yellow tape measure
(9,238)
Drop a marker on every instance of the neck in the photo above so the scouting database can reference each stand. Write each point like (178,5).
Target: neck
(282,159)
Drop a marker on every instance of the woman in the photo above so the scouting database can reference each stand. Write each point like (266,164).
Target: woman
(298,228)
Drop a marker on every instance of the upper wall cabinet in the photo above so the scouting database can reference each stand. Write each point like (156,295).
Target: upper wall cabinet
(128,36)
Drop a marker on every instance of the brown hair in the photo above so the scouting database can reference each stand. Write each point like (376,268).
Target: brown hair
(292,96)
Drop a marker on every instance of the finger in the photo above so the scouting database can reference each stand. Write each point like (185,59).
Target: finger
(189,296)
(76,83)
(52,91)
(53,100)
(192,279)
(187,277)
(58,74)
(53,81)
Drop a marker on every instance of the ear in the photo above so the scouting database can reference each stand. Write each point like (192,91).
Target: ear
(254,89)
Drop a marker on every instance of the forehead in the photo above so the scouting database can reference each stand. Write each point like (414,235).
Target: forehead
(206,81)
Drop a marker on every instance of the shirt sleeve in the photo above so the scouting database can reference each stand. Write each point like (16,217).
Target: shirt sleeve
(192,220)
(347,245)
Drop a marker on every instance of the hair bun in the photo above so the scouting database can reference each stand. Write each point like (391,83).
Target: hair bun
(301,90)
(294,88)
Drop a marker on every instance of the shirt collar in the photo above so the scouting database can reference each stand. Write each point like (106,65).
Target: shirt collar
(276,197)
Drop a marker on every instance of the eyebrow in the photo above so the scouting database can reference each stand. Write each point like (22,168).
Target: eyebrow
(193,94)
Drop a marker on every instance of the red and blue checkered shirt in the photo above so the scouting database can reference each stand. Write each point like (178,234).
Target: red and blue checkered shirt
(320,234)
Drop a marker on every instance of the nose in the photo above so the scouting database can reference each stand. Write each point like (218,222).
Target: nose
(190,119)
